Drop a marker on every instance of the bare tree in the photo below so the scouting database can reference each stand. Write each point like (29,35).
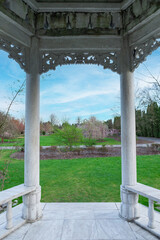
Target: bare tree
(78,120)
(54,120)
(4,170)
(150,93)
(2,124)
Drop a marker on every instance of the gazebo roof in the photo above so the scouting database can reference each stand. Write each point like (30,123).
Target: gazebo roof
(80,30)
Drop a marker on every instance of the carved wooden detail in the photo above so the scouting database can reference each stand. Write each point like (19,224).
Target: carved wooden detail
(141,51)
(51,60)
(15,52)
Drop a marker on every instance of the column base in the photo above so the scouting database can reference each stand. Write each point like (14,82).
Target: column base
(32,210)
(129,206)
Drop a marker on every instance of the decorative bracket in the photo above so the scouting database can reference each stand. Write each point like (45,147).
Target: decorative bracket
(51,60)
(140,51)
(15,52)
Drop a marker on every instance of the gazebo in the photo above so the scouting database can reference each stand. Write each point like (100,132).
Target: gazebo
(41,35)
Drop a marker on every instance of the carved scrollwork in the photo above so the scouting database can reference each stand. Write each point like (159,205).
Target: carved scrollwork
(52,60)
(141,51)
(15,52)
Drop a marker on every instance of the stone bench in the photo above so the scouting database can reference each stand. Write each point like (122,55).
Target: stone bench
(145,191)
(152,194)
(14,192)
(6,197)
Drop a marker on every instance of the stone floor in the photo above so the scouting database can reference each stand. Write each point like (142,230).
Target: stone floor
(79,221)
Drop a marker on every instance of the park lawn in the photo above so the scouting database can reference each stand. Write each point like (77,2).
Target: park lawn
(12,142)
(51,140)
(84,180)
(109,141)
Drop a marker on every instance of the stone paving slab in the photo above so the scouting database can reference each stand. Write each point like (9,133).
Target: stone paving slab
(81,221)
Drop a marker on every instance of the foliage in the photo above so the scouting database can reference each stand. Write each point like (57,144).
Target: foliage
(114,127)
(117,123)
(46,128)
(54,122)
(78,121)
(69,135)
(52,140)
(12,127)
(5,122)
(109,123)
(4,116)
(151,92)
(148,123)
(89,142)
(94,129)
(4,173)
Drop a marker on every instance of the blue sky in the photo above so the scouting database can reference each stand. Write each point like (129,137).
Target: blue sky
(72,91)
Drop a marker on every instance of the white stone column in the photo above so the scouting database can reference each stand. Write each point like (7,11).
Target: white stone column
(129,205)
(32,209)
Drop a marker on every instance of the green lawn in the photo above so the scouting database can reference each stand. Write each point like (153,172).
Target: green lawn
(51,140)
(84,180)
(12,142)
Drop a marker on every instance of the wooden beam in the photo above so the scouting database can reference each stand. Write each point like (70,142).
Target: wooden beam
(150,27)
(76,7)
(126,3)
(32,3)
(13,30)
(85,43)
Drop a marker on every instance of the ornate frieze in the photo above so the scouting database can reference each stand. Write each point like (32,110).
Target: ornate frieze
(15,52)
(139,52)
(50,60)
(64,23)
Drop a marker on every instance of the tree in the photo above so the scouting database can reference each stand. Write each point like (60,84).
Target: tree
(94,129)
(150,93)
(148,122)
(117,123)
(109,124)
(78,121)
(4,170)
(46,128)
(69,135)
(5,116)
(53,119)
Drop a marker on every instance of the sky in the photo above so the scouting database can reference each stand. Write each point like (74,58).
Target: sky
(72,91)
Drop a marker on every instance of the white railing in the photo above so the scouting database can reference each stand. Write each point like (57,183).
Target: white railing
(6,197)
(152,194)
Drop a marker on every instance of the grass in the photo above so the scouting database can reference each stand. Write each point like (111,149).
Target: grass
(84,180)
(109,141)
(12,142)
(51,140)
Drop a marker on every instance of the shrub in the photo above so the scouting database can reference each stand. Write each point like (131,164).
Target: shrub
(54,148)
(22,148)
(155,146)
(69,135)
(88,142)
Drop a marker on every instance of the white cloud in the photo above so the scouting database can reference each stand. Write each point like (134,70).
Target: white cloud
(72,96)
(90,113)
